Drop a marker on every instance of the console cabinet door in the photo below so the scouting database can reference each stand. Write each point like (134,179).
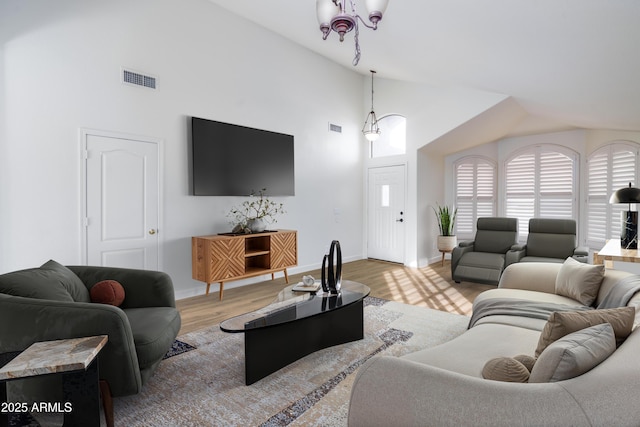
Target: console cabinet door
(227,258)
(284,249)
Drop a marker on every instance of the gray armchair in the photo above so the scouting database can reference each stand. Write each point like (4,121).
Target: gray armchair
(483,259)
(53,302)
(549,240)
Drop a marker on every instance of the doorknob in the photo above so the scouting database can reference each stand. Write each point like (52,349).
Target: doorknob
(400,220)
(152,231)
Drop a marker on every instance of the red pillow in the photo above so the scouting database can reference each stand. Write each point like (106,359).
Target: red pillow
(107,292)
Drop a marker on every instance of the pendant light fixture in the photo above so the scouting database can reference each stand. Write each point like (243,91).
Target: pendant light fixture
(335,15)
(370,129)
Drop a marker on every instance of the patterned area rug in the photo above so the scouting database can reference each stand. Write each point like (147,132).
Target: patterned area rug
(205,386)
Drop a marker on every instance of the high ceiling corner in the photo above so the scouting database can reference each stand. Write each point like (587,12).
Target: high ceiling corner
(571,62)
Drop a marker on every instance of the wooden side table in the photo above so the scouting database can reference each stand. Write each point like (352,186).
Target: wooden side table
(612,251)
(76,360)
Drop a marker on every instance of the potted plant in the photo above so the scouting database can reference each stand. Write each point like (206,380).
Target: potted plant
(254,214)
(446,220)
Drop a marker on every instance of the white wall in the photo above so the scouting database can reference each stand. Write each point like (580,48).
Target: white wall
(431,111)
(60,68)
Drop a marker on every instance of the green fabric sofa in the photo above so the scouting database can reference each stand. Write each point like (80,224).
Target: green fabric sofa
(53,302)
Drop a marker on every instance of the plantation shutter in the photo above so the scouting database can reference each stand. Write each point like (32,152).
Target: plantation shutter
(609,169)
(475,187)
(540,182)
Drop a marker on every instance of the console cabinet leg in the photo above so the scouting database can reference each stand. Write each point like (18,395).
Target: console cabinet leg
(221,290)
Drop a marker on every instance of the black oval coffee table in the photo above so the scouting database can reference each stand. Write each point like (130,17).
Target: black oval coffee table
(297,324)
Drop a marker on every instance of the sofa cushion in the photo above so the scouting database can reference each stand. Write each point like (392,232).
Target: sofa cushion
(574,354)
(468,353)
(505,369)
(68,280)
(579,281)
(566,322)
(483,260)
(153,329)
(34,283)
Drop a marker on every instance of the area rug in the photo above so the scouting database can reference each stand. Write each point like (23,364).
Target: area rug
(205,386)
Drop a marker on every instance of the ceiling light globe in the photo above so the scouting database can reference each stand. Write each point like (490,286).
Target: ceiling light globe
(376,9)
(371,135)
(325,11)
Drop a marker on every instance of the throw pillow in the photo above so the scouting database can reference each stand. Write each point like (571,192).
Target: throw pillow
(561,323)
(107,292)
(574,354)
(526,360)
(505,369)
(579,281)
(68,279)
(34,283)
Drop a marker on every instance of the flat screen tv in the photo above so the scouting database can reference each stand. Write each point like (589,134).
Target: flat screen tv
(232,160)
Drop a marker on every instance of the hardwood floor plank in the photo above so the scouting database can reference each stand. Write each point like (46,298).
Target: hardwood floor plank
(430,286)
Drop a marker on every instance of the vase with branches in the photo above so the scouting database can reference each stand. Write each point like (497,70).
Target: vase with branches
(253,215)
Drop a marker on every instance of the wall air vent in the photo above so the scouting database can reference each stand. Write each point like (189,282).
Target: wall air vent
(134,78)
(335,128)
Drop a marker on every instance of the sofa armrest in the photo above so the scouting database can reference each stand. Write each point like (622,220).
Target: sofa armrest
(24,321)
(142,288)
(532,276)
(395,391)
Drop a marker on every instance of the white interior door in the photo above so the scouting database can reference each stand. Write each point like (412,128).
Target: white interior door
(122,202)
(386,213)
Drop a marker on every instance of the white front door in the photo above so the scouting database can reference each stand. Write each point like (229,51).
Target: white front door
(386,213)
(122,201)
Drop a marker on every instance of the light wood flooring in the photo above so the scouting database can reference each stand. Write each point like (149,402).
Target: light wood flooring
(428,287)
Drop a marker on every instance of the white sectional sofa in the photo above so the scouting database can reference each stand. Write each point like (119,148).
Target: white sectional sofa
(444,385)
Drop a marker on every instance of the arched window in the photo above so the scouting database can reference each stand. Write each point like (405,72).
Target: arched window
(540,181)
(609,168)
(393,137)
(475,193)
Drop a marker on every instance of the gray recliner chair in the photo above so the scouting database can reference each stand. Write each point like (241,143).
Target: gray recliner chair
(483,259)
(549,240)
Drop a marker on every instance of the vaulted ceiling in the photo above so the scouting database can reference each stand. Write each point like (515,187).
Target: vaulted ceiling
(572,62)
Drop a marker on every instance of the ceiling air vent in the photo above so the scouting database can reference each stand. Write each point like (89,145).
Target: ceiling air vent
(133,78)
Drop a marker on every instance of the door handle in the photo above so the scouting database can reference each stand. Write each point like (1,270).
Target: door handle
(400,220)
(152,231)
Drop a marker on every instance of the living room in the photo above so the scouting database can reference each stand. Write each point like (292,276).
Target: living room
(61,65)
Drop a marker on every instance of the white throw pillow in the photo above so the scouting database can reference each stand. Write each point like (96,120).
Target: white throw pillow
(579,281)
(574,354)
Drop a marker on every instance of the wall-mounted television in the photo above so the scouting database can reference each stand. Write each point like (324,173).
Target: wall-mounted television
(232,160)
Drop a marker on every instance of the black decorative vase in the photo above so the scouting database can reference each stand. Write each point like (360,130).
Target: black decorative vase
(332,269)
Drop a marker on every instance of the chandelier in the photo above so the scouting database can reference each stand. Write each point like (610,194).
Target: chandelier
(370,129)
(335,15)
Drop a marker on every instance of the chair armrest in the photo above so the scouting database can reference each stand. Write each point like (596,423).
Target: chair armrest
(458,251)
(515,254)
(142,288)
(581,253)
(466,243)
(395,391)
(24,321)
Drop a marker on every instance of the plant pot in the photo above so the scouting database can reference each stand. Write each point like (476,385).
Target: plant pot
(447,243)
(257,225)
